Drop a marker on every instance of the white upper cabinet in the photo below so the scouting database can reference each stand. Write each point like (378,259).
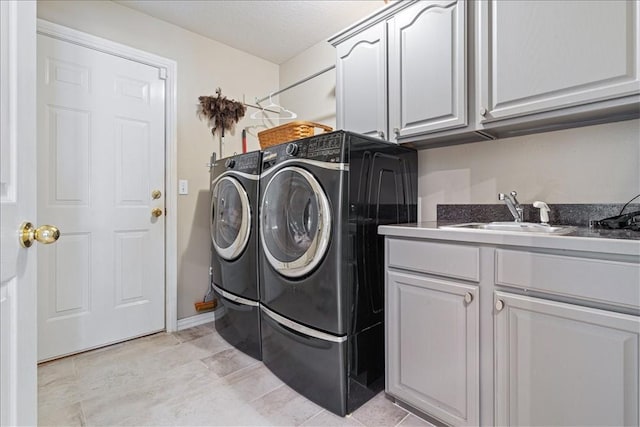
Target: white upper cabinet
(427,68)
(541,56)
(361,82)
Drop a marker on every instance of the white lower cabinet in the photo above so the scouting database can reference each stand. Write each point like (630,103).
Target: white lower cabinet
(564,364)
(432,346)
(549,337)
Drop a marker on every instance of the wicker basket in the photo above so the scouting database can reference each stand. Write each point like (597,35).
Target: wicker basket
(289,132)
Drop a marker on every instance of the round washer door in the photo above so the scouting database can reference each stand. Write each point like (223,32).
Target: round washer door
(295,222)
(230,218)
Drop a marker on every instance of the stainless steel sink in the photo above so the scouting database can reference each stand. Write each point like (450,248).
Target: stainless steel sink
(520,227)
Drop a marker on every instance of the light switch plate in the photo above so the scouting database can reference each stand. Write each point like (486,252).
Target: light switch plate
(183,186)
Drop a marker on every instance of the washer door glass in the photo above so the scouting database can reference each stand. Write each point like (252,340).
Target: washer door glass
(295,222)
(230,218)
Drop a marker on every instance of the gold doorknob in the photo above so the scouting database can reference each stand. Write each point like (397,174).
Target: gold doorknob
(156,212)
(44,234)
(156,194)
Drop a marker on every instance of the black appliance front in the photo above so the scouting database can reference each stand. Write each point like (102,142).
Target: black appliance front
(234,222)
(321,260)
(334,286)
(240,325)
(322,368)
(301,255)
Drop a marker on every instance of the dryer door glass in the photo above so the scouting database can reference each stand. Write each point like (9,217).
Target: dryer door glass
(295,222)
(230,218)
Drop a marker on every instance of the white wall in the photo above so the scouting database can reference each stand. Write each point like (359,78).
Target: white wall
(314,100)
(203,65)
(593,164)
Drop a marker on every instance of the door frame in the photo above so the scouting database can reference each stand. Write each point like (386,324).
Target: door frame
(167,70)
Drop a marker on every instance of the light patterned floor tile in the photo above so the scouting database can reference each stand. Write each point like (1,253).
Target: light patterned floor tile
(329,419)
(379,412)
(228,361)
(56,415)
(284,407)
(190,378)
(413,421)
(252,382)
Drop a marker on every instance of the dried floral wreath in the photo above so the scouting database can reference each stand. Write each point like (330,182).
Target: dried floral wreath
(221,113)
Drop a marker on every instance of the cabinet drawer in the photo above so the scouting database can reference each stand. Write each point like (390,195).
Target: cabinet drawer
(443,259)
(598,280)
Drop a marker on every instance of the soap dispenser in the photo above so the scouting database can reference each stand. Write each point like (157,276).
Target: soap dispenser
(544,211)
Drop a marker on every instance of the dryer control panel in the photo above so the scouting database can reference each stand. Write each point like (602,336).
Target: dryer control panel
(327,147)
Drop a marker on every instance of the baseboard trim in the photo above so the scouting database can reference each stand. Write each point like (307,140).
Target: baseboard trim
(199,319)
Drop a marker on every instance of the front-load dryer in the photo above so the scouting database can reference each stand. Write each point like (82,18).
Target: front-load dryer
(234,255)
(321,261)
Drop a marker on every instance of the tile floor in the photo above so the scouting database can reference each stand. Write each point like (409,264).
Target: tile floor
(188,378)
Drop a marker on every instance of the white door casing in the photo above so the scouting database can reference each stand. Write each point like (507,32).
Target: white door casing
(102,150)
(18,379)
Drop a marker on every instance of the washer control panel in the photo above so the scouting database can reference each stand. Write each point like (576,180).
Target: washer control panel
(247,162)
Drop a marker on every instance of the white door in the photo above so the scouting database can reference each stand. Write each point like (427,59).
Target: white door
(17,204)
(100,177)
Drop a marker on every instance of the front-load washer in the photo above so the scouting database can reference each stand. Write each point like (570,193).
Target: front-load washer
(234,256)
(321,261)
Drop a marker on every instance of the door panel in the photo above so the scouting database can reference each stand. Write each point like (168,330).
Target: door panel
(361,83)
(564,365)
(18,378)
(576,53)
(427,68)
(100,155)
(433,346)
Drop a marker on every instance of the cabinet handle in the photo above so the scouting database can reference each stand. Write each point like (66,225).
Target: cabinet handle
(468,297)
(396,131)
(483,112)
(381,134)
(499,305)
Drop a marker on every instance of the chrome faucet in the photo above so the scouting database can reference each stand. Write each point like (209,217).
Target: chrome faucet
(513,205)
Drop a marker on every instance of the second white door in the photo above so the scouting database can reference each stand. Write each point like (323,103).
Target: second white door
(100,161)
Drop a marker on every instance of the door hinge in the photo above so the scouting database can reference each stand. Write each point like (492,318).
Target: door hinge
(162,75)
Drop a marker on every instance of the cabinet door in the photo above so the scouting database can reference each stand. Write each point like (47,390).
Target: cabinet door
(361,82)
(432,346)
(561,364)
(427,68)
(538,56)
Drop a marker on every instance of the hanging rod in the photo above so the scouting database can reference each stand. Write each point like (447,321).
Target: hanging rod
(260,108)
(299,82)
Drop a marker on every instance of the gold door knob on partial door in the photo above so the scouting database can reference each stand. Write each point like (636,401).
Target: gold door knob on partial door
(44,234)
(157,212)
(156,194)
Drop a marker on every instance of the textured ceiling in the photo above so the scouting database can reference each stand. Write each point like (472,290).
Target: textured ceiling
(273,30)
